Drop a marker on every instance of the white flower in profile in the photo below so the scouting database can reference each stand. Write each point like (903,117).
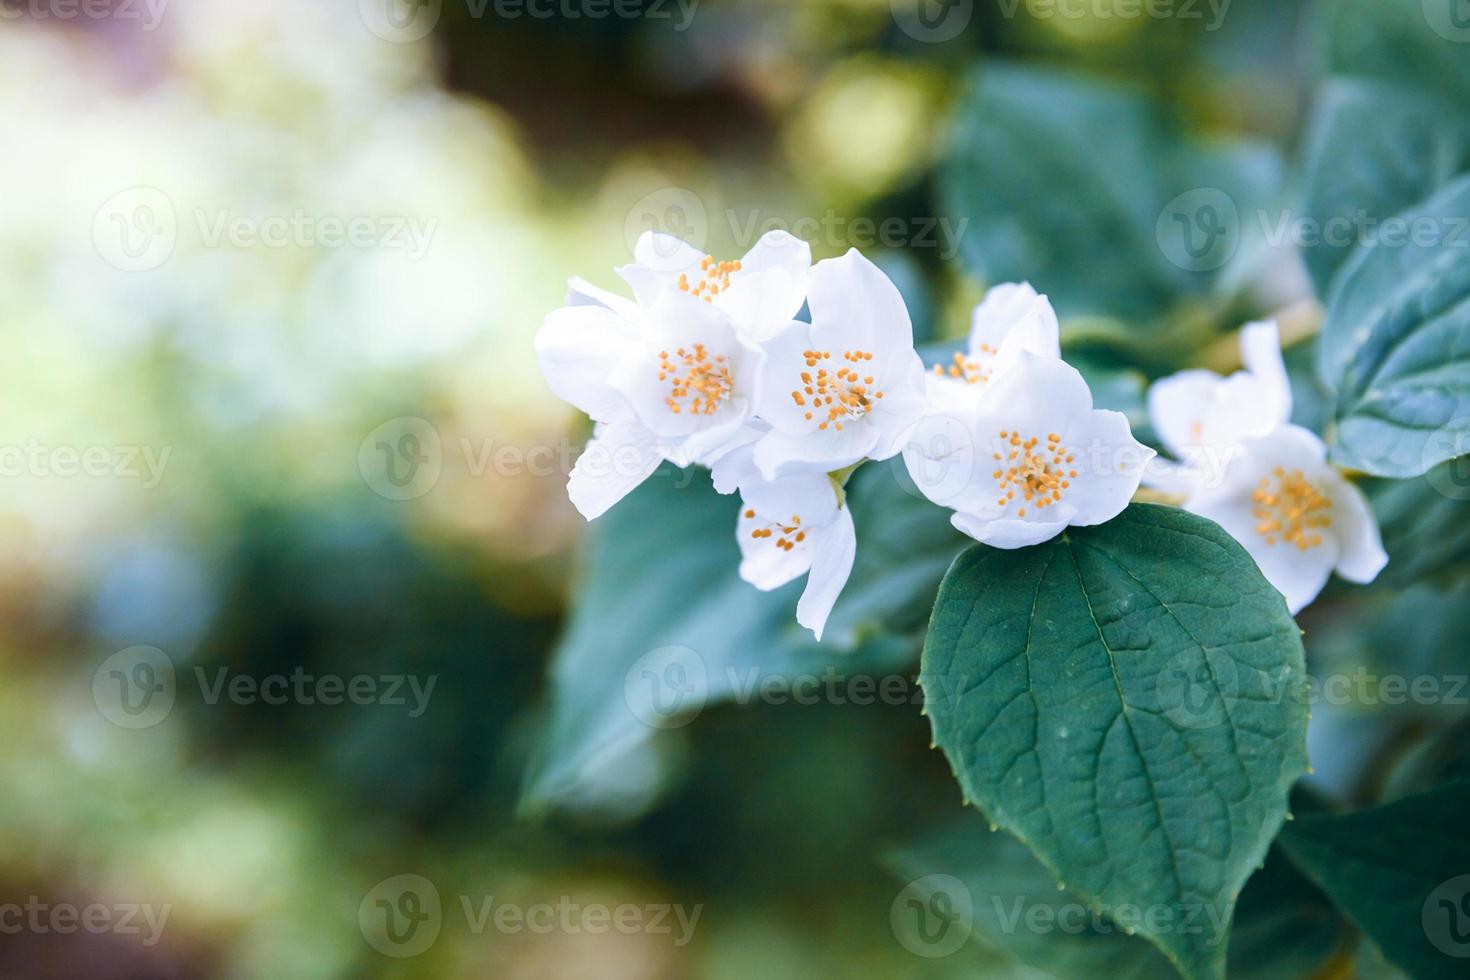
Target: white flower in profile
(1297,516)
(665,376)
(845,387)
(1012,317)
(792,526)
(761,291)
(1202,418)
(1033,457)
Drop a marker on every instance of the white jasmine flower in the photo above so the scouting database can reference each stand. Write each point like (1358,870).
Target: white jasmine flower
(1295,514)
(760,292)
(1202,418)
(1033,457)
(793,526)
(849,385)
(1012,317)
(666,376)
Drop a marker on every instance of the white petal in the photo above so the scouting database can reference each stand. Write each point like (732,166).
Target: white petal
(831,565)
(1178,408)
(1356,530)
(1199,408)
(580,292)
(667,254)
(1011,318)
(1297,574)
(942,458)
(1109,463)
(1008,533)
(578,347)
(781,376)
(856,307)
(805,504)
(735,465)
(781,454)
(1040,395)
(762,563)
(904,402)
(615,462)
(1260,350)
(770,287)
(808,500)
(676,322)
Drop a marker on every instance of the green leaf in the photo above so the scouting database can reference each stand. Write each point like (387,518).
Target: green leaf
(662,626)
(1401,872)
(1372,150)
(1284,926)
(1413,42)
(1425,523)
(905,545)
(1117,697)
(1065,180)
(1395,345)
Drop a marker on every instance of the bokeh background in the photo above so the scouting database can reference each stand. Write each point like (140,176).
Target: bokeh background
(235,389)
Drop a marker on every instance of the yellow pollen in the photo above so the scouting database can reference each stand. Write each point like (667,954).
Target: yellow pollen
(1037,472)
(714,278)
(840,395)
(975,372)
(790,535)
(698,381)
(1293,511)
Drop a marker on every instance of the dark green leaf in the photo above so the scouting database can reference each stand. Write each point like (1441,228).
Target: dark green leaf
(1119,698)
(1067,181)
(1372,150)
(1284,927)
(1396,342)
(1421,43)
(1401,872)
(663,626)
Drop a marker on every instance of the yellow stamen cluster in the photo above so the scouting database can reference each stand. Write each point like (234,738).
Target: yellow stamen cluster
(1294,512)
(835,395)
(714,278)
(966,370)
(698,382)
(790,534)
(1040,474)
